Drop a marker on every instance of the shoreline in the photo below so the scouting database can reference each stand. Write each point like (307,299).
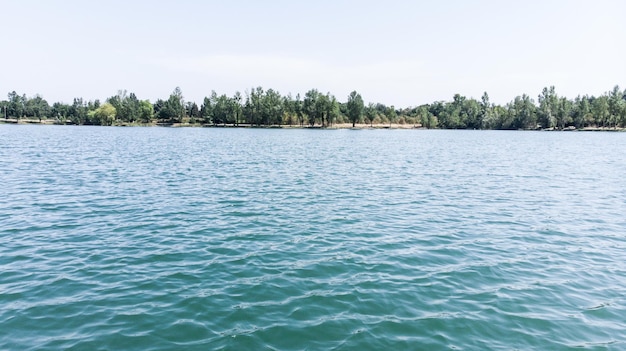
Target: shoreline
(358,126)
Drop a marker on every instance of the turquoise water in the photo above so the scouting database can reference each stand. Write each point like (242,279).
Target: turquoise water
(253,239)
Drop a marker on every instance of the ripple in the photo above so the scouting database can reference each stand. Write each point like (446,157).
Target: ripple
(161,239)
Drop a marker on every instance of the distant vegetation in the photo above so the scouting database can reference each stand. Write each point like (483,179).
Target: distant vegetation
(261,107)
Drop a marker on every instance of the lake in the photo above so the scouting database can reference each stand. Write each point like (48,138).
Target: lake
(250,239)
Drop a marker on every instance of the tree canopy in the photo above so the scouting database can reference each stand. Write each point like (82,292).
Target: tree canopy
(261,107)
(355,107)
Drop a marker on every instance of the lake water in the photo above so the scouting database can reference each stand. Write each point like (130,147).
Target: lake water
(250,239)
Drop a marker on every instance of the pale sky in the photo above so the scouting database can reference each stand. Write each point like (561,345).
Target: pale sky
(402,53)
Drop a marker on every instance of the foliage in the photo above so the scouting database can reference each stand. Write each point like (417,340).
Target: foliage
(370,113)
(103,115)
(269,107)
(355,107)
(310,105)
(172,110)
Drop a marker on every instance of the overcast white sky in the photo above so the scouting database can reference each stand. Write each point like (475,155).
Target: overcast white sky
(402,53)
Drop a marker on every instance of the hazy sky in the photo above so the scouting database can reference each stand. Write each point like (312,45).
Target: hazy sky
(402,53)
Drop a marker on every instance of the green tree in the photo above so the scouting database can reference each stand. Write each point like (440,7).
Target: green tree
(60,111)
(127,106)
(623,110)
(616,105)
(431,120)
(391,114)
(133,108)
(237,107)
(450,116)
(158,105)
(563,115)
(499,117)
(299,110)
(522,113)
(15,105)
(310,104)
(423,116)
(206,111)
(322,105)
(121,107)
(173,109)
(355,107)
(436,109)
(600,110)
(332,109)
(370,113)
(37,107)
(78,111)
(146,111)
(192,111)
(254,109)
(580,111)
(104,115)
(4,105)
(471,114)
(548,105)
(288,107)
(222,109)
(486,110)
(272,107)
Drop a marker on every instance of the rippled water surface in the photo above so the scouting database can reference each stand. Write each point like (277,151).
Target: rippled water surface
(197,239)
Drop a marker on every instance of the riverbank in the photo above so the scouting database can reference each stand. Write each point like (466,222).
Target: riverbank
(244,125)
(241,125)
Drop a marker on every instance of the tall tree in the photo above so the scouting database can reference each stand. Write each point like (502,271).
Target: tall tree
(289,108)
(222,109)
(471,114)
(104,115)
(127,106)
(332,109)
(391,114)
(299,109)
(309,105)
(254,109)
(146,111)
(60,111)
(548,105)
(355,107)
(485,109)
(272,107)
(206,111)
(522,113)
(370,113)
(4,105)
(322,105)
(15,105)
(237,100)
(616,104)
(600,110)
(132,107)
(173,109)
(193,112)
(563,115)
(623,110)
(78,111)
(37,107)
(427,119)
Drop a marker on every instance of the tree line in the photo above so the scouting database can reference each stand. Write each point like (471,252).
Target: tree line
(260,107)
